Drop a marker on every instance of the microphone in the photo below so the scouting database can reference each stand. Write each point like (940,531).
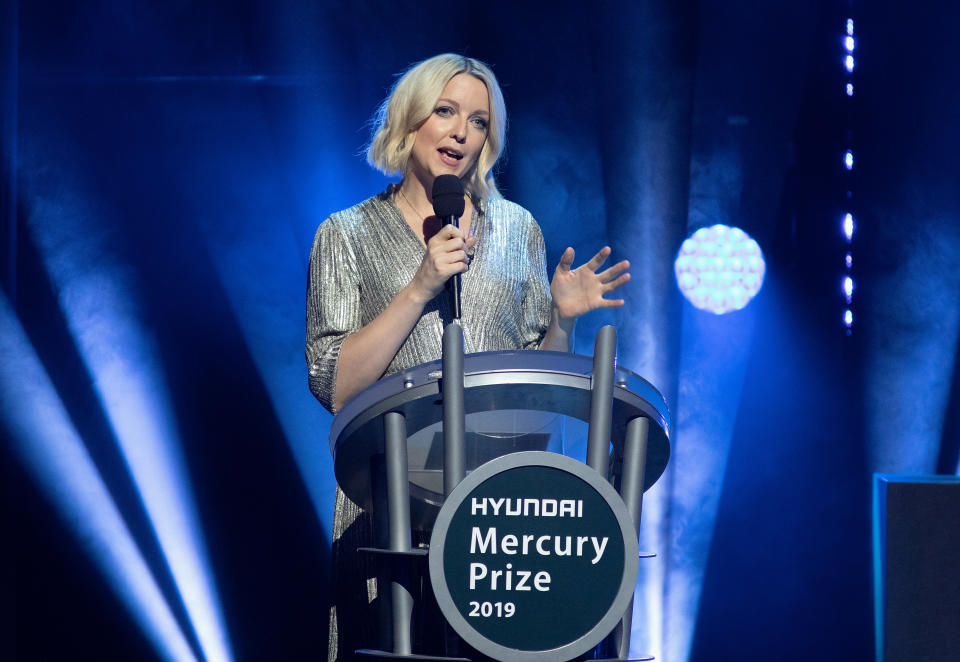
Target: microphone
(448,206)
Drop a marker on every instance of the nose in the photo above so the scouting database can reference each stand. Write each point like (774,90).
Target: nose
(460,132)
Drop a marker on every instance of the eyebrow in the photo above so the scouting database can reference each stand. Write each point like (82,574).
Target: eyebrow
(454,103)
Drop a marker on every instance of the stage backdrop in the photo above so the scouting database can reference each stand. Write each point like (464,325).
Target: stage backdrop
(165,166)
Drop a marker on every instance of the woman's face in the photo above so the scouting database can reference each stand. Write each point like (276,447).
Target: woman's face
(449,142)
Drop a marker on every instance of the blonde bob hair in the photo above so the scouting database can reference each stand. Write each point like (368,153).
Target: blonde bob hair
(411,102)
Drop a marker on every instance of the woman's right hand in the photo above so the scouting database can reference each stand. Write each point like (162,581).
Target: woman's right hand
(367,352)
(445,256)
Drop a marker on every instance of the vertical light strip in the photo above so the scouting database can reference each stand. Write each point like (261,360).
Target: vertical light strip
(848,225)
(120,356)
(48,445)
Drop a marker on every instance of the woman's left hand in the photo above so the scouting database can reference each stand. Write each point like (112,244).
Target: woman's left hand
(577,291)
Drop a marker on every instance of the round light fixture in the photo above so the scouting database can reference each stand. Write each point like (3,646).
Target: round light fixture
(719,269)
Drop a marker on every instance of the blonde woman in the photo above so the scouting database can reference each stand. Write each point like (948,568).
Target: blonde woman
(377,268)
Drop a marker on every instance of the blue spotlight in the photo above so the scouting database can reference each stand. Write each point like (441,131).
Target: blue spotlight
(848,63)
(848,226)
(848,260)
(850,26)
(848,159)
(127,374)
(849,43)
(848,318)
(47,444)
(849,89)
(848,288)
(719,269)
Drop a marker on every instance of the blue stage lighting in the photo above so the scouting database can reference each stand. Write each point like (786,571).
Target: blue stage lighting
(848,288)
(850,26)
(848,260)
(719,269)
(848,318)
(848,63)
(849,89)
(48,445)
(849,43)
(848,160)
(262,268)
(848,226)
(127,374)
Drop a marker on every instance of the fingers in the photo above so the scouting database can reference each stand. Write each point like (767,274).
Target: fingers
(446,233)
(449,240)
(566,261)
(447,251)
(446,255)
(611,303)
(452,230)
(616,284)
(608,275)
(598,259)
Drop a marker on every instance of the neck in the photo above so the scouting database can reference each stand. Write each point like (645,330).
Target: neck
(416,193)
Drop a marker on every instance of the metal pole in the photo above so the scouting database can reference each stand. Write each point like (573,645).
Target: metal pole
(634,466)
(398,505)
(601,404)
(454,415)
(631,489)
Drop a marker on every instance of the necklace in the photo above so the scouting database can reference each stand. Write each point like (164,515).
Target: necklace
(473,228)
(409,204)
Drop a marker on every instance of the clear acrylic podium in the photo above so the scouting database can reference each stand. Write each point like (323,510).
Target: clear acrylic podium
(392,456)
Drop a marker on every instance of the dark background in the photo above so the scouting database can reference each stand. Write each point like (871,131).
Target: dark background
(165,166)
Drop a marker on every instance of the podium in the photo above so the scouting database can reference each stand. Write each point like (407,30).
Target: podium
(518,527)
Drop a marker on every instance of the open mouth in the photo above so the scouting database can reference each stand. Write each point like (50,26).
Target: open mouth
(451,153)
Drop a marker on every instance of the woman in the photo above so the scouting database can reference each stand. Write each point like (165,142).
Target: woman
(377,268)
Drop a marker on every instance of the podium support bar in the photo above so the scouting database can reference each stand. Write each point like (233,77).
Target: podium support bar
(398,491)
(454,415)
(601,400)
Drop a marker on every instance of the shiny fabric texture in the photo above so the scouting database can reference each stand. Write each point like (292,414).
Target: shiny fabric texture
(362,257)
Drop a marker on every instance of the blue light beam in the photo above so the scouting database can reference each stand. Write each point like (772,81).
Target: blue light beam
(713,365)
(911,334)
(48,446)
(119,354)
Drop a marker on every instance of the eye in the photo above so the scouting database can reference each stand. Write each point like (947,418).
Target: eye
(480,123)
(443,111)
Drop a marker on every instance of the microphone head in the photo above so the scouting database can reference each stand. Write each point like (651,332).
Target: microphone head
(447,196)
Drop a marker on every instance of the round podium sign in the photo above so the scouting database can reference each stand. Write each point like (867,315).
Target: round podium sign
(533,557)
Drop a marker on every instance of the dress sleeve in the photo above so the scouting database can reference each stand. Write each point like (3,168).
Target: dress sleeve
(536,290)
(333,308)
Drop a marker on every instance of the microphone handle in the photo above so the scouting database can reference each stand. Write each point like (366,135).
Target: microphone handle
(454,284)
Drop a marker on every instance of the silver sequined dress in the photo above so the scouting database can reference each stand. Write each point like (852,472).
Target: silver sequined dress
(362,257)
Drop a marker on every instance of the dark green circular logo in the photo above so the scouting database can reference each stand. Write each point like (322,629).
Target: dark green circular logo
(533,557)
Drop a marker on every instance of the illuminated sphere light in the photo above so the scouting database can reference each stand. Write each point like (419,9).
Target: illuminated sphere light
(719,269)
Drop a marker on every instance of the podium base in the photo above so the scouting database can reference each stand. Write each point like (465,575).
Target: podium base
(385,655)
